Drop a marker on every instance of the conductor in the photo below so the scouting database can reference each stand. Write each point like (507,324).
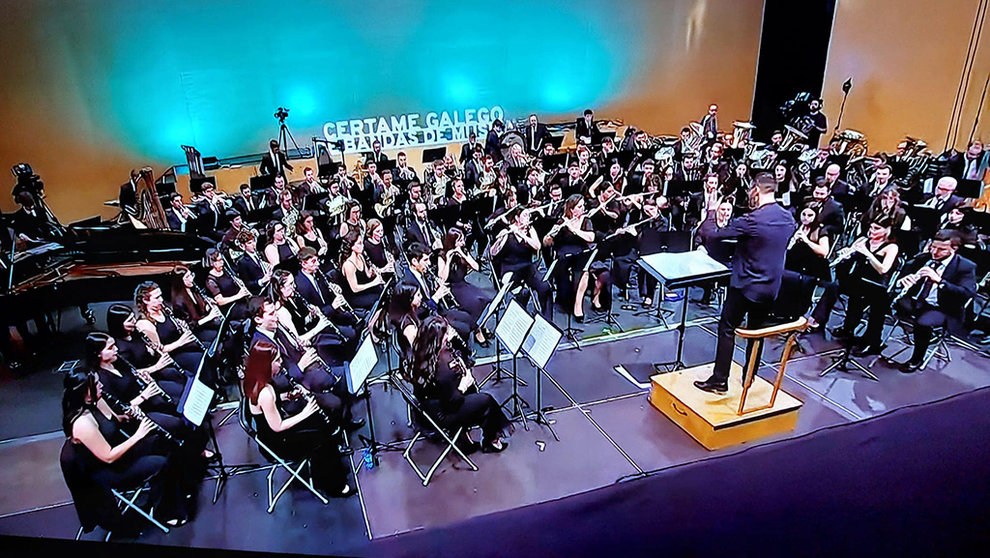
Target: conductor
(757,267)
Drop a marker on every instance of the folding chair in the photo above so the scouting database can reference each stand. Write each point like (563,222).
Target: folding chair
(81,485)
(295,473)
(449,440)
(937,349)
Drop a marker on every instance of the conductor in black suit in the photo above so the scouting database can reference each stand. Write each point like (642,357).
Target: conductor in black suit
(757,268)
(586,130)
(536,134)
(273,162)
(939,284)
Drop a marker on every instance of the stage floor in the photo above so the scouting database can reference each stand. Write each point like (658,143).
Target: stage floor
(608,431)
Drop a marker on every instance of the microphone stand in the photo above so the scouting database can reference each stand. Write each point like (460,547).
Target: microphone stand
(846,86)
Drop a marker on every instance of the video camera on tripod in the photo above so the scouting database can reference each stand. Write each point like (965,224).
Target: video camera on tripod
(281,114)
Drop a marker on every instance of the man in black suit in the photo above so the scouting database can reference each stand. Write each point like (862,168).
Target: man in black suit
(251,268)
(939,284)
(467,150)
(312,285)
(757,268)
(831,215)
(493,141)
(709,124)
(944,198)
(420,229)
(177,214)
(434,296)
(536,134)
(838,187)
(376,154)
(274,162)
(971,165)
(585,128)
(245,203)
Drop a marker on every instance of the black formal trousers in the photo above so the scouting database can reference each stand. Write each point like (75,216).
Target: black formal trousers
(926,319)
(736,308)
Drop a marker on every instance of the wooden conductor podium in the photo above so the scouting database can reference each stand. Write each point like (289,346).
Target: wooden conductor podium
(719,421)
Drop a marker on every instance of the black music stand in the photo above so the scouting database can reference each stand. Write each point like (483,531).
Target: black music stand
(497,371)
(356,373)
(434,154)
(540,344)
(655,242)
(512,330)
(681,271)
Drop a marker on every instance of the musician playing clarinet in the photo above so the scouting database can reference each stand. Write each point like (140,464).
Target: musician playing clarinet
(936,288)
(757,267)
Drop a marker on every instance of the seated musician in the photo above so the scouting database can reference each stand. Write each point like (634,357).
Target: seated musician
(572,182)
(254,271)
(105,454)
(805,266)
(645,233)
(863,274)
(158,322)
(287,213)
(386,195)
(352,219)
(235,228)
(572,238)
(376,251)
(210,211)
(246,202)
(587,165)
(435,293)
(279,249)
(719,250)
(831,215)
(308,234)
(445,387)
(292,435)
(177,215)
(787,187)
(310,184)
(316,289)
(307,324)
(404,174)
(191,304)
(361,282)
(513,250)
(302,365)
(887,205)
(616,178)
(436,181)
(226,288)
(420,229)
(607,214)
(453,266)
(944,198)
(134,348)
(405,313)
(936,287)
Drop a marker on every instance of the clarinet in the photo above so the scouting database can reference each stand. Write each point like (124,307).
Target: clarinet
(299,344)
(143,381)
(308,396)
(136,412)
(315,313)
(159,350)
(202,294)
(182,326)
(338,292)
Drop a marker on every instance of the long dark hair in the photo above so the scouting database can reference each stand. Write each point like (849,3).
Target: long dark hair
(346,244)
(258,369)
(92,347)
(140,294)
(78,396)
(193,307)
(422,368)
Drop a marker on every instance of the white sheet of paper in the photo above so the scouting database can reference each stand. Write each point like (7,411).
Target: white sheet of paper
(542,341)
(197,402)
(512,328)
(361,365)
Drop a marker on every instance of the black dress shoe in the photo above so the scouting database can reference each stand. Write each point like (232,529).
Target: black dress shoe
(712,387)
(489,447)
(579,319)
(839,333)
(910,367)
(354,425)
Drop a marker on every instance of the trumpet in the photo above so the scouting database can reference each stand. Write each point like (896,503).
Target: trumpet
(136,412)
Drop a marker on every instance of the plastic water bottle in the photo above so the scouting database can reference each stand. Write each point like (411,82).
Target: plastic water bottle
(369,461)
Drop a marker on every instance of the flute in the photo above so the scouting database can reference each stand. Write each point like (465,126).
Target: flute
(136,412)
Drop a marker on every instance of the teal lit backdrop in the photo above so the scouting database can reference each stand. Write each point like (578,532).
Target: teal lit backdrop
(211,74)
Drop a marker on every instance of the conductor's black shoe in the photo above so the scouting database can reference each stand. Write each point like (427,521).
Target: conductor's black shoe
(354,425)
(712,387)
(910,367)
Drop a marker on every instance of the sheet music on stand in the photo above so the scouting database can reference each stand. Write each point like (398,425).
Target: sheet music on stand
(541,341)
(195,402)
(360,367)
(513,327)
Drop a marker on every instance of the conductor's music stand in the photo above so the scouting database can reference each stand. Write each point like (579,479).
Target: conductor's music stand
(681,271)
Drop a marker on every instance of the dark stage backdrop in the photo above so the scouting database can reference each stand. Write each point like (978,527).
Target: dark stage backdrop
(94,88)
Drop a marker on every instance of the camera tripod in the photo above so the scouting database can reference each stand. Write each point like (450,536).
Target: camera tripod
(284,135)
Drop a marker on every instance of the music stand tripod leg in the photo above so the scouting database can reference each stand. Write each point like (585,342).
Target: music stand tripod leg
(678,362)
(539,415)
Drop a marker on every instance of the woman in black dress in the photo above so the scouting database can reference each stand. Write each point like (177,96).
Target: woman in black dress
(100,451)
(136,349)
(362,285)
(279,249)
(304,434)
(191,304)
(227,289)
(572,237)
(375,250)
(805,266)
(453,265)
(166,330)
(516,246)
(307,234)
(307,324)
(446,389)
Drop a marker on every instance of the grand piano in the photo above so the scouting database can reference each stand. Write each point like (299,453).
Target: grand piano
(95,261)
